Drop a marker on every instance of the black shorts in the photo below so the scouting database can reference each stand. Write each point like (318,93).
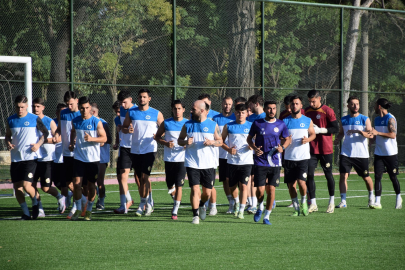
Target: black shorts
(44,172)
(58,175)
(267,176)
(223,169)
(360,165)
(69,168)
(239,174)
(87,170)
(124,159)
(204,177)
(295,169)
(326,163)
(143,163)
(175,174)
(23,170)
(387,164)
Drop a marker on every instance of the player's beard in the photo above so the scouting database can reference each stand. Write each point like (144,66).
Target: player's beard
(272,117)
(353,112)
(196,117)
(296,112)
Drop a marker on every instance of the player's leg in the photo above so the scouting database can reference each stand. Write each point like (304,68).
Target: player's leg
(91,175)
(391,162)
(79,170)
(249,189)
(313,163)
(180,175)
(147,163)
(302,171)
(126,161)
(233,187)
(242,174)
(326,164)
(290,178)
(195,194)
(345,167)
(360,165)
(260,185)
(101,186)
(25,171)
(213,202)
(379,169)
(253,209)
(224,178)
(46,185)
(207,181)
(273,181)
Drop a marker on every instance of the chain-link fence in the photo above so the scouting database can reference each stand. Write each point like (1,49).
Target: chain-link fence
(224,48)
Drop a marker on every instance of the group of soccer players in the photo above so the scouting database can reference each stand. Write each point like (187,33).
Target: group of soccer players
(248,145)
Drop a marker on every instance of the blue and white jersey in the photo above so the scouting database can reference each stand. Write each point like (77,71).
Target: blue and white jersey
(199,156)
(211,114)
(298,128)
(58,148)
(254,117)
(354,145)
(172,133)
(222,120)
(237,135)
(47,149)
(86,151)
(24,132)
(145,126)
(105,149)
(125,139)
(117,121)
(66,117)
(385,146)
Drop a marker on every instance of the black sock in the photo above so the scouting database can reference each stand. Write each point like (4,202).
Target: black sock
(195,212)
(202,203)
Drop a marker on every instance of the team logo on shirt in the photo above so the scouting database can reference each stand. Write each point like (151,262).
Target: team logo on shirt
(147,117)
(205,129)
(89,127)
(382,122)
(182,181)
(47,180)
(212,183)
(30,175)
(246,130)
(327,165)
(357,122)
(247,179)
(304,175)
(302,125)
(318,116)
(26,123)
(262,132)
(276,129)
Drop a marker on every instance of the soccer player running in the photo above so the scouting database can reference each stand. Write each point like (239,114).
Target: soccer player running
(325,124)
(355,128)
(297,155)
(43,171)
(202,137)
(268,132)
(222,119)
(145,121)
(173,155)
(23,140)
(88,132)
(386,151)
(124,163)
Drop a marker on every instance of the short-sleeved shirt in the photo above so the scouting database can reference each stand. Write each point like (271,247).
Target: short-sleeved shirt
(47,149)
(254,117)
(172,133)
(86,151)
(354,145)
(323,143)
(66,117)
(237,135)
(268,137)
(222,120)
(298,128)
(145,126)
(125,139)
(284,114)
(385,146)
(105,149)
(58,148)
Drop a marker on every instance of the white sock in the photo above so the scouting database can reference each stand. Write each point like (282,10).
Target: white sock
(377,199)
(313,201)
(176,207)
(24,208)
(142,204)
(249,200)
(295,203)
(398,197)
(90,206)
(254,201)
(128,197)
(261,206)
(74,208)
(40,205)
(332,200)
(303,199)
(370,194)
(213,205)
(150,199)
(236,199)
(267,214)
(34,200)
(78,204)
(343,197)
(242,208)
(123,201)
(229,197)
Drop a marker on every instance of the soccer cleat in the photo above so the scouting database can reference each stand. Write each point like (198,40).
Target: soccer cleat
(313,208)
(399,204)
(291,205)
(252,210)
(100,207)
(240,215)
(121,210)
(76,215)
(62,205)
(248,207)
(196,220)
(371,200)
(296,213)
(25,217)
(41,213)
(331,209)
(69,216)
(230,209)
(258,215)
(87,216)
(213,212)
(35,211)
(129,204)
(139,213)
(304,207)
(341,205)
(236,209)
(202,211)
(84,206)
(266,222)
(375,206)
(174,217)
(149,209)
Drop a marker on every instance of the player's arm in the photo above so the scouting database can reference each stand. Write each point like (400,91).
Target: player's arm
(182,138)
(284,143)
(340,136)
(159,134)
(127,125)
(252,145)
(72,138)
(58,129)
(217,142)
(108,133)
(160,119)
(392,130)
(311,134)
(367,133)
(101,135)
(10,146)
(42,128)
(230,150)
(53,130)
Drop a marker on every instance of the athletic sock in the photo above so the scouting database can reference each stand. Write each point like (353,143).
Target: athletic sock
(34,201)
(236,199)
(332,200)
(213,205)
(206,204)
(123,201)
(229,197)
(59,196)
(102,200)
(195,212)
(24,208)
(142,204)
(176,207)
(370,194)
(303,199)
(150,198)
(261,206)
(74,208)
(231,202)
(267,214)
(377,199)
(313,201)
(343,196)
(398,197)
(79,204)
(128,197)
(254,202)
(90,206)
(295,203)
(249,201)
(242,207)
(40,205)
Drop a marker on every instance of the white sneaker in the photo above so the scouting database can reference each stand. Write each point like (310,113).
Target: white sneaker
(371,200)
(41,213)
(230,209)
(331,209)
(342,205)
(213,212)
(139,213)
(202,212)
(62,204)
(196,220)
(399,204)
(313,208)
(148,209)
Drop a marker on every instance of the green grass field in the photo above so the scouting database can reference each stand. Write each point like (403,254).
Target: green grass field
(352,238)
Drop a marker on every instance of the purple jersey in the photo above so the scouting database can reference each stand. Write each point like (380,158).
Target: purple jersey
(268,137)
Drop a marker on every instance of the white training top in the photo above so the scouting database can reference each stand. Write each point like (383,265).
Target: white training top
(237,135)
(86,151)
(66,117)
(172,133)
(24,132)
(125,139)
(199,156)
(105,149)
(298,128)
(385,146)
(47,149)
(354,145)
(222,120)
(145,126)
(58,148)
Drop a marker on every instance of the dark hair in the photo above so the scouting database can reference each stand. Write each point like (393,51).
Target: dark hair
(202,96)
(383,102)
(351,98)
(94,104)
(295,97)
(123,95)
(267,103)
(226,98)
(287,100)
(256,99)
(240,99)
(68,96)
(116,105)
(60,106)
(20,99)
(313,93)
(241,107)
(38,100)
(84,100)
(207,107)
(177,101)
(144,90)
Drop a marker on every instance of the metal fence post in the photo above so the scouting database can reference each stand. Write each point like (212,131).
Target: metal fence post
(262,64)
(341,62)
(72,75)
(174,60)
